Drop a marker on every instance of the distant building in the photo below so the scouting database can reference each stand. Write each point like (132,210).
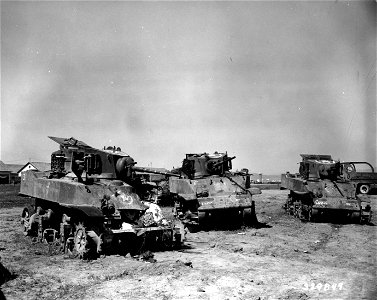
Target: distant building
(37,166)
(11,173)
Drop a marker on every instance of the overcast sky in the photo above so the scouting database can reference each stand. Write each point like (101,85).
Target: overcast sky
(264,81)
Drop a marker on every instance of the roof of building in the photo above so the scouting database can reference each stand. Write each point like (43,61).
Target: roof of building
(40,166)
(9,167)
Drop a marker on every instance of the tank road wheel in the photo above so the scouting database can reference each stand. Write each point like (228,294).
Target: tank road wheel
(25,217)
(81,243)
(27,212)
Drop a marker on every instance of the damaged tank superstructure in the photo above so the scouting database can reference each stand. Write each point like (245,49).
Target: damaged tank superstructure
(209,192)
(89,202)
(328,187)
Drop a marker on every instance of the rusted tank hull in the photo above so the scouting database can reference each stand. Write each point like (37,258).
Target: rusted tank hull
(224,202)
(337,203)
(69,192)
(310,199)
(199,199)
(73,213)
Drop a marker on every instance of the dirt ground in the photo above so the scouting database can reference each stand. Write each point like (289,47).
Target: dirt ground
(286,259)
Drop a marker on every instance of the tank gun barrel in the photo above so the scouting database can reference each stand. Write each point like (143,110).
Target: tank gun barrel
(146,170)
(223,162)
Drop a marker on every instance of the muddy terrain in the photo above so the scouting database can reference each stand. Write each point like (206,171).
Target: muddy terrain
(282,259)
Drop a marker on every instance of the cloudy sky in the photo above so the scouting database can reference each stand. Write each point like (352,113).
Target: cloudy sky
(264,81)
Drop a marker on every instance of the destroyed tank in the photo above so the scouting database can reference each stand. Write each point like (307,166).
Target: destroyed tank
(89,203)
(208,192)
(324,186)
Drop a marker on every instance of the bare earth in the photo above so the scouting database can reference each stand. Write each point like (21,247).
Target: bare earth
(288,259)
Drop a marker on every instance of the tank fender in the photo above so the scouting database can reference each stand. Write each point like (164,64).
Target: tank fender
(84,210)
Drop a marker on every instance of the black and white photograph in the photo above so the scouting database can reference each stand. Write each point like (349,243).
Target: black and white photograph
(178,150)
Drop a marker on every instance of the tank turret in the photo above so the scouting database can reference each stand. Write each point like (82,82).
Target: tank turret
(86,164)
(202,165)
(318,167)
